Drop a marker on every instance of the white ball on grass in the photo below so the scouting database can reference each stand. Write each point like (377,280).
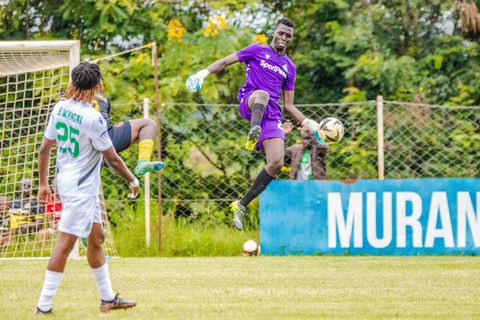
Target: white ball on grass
(251,248)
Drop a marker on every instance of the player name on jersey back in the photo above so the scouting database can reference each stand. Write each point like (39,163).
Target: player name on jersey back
(70,115)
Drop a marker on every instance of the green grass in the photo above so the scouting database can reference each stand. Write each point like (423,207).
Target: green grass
(180,238)
(443,287)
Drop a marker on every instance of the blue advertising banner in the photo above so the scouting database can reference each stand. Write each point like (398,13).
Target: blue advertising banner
(379,217)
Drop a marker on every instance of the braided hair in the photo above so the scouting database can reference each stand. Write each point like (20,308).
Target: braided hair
(86,82)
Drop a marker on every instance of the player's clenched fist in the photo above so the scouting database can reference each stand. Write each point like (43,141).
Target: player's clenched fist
(44,193)
(134,189)
(195,81)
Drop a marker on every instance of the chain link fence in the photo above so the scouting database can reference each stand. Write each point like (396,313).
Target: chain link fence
(427,141)
(207,165)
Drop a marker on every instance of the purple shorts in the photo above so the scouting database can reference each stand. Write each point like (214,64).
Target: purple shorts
(271,122)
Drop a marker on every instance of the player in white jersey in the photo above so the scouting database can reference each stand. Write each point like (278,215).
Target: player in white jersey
(82,139)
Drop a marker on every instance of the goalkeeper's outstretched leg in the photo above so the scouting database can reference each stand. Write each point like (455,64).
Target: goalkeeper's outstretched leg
(274,153)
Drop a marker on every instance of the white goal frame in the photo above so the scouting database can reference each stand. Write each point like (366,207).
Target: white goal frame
(72,46)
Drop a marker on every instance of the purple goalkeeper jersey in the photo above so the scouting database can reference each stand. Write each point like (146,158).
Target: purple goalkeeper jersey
(266,70)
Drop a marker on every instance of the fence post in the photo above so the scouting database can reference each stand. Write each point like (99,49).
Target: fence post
(147,185)
(74,60)
(159,143)
(380,137)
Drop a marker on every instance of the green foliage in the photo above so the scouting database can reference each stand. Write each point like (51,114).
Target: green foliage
(403,50)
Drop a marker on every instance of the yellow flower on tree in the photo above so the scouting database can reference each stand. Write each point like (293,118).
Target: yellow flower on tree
(260,38)
(140,58)
(175,30)
(214,25)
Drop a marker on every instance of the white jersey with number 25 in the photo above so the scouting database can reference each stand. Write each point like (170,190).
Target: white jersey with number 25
(81,134)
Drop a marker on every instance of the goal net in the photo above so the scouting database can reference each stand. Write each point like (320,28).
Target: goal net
(32,75)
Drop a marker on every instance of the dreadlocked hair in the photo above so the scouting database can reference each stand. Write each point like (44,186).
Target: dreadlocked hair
(86,82)
(83,95)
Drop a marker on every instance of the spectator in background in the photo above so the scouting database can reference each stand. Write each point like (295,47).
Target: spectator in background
(53,208)
(26,213)
(4,208)
(25,199)
(4,221)
(308,158)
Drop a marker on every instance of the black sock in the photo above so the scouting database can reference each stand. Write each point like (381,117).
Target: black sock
(257,114)
(262,181)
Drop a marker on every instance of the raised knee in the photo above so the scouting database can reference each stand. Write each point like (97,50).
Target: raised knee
(262,94)
(151,123)
(144,123)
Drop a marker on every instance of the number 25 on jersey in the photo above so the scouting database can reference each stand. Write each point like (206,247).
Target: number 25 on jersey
(68,135)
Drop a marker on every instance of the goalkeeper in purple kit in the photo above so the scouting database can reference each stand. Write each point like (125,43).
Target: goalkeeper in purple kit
(269,73)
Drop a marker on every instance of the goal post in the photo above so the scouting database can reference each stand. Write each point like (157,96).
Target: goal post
(32,75)
(19,57)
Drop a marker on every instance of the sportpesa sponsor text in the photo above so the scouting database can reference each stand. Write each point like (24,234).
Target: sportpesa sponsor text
(276,69)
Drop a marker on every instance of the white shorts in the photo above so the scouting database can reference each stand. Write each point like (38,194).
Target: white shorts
(78,215)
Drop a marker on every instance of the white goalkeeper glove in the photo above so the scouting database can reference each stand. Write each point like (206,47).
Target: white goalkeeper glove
(313,127)
(195,81)
(310,124)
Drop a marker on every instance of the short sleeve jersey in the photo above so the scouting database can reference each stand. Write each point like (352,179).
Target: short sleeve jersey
(81,134)
(266,70)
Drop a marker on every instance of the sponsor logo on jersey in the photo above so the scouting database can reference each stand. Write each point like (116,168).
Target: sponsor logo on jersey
(267,56)
(275,69)
(285,68)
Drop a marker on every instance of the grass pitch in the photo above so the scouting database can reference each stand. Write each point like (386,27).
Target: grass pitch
(444,287)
